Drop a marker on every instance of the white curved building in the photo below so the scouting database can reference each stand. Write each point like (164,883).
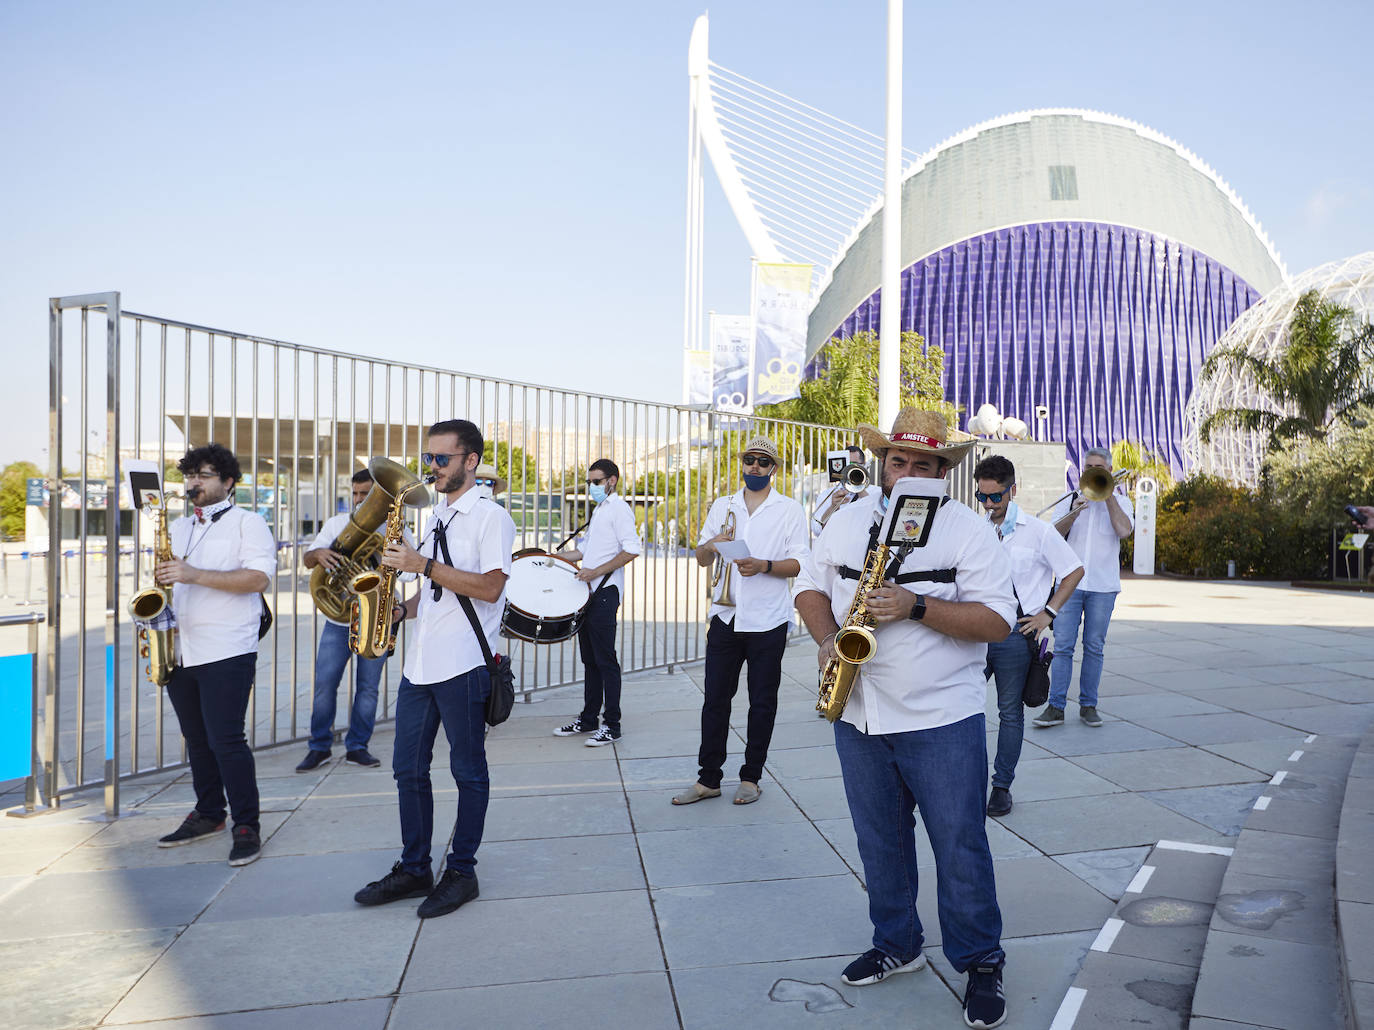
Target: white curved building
(1263,331)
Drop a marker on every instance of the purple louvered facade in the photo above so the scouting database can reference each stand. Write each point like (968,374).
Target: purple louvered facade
(1105,325)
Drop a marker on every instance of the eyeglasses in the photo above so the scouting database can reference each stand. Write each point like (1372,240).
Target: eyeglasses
(595,482)
(201,474)
(440,461)
(761,460)
(486,482)
(994,498)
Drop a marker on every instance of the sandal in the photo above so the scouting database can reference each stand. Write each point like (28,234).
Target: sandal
(696,792)
(747,793)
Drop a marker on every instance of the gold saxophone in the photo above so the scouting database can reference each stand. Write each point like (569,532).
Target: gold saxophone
(159,646)
(855,642)
(371,633)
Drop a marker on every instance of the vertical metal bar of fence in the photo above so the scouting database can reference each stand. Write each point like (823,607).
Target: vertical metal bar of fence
(51,714)
(135,686)
(294,518)
(159,746)
(112,669)
(276,533)
(253,500)
(82,527)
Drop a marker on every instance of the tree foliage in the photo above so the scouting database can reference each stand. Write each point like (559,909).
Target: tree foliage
(512,464)
(1138,460)
(13,489)
(1311,386)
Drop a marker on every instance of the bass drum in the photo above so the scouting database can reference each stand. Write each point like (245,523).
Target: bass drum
(545,601)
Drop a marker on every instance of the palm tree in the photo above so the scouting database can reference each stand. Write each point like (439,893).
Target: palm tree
(1324,373)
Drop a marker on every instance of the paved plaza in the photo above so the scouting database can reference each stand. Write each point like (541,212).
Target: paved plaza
(604,906)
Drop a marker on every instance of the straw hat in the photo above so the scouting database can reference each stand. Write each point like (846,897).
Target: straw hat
(762,445)
(917,430)
(485,471)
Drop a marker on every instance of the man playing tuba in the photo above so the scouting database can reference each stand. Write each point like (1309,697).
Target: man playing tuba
(332,654)
(912,733)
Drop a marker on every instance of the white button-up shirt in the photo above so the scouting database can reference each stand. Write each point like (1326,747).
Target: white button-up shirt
(918,678)
(1095,541)
(215,624)
(329,532)
(480,536)
(611,531)
(775,532)
(1039,558)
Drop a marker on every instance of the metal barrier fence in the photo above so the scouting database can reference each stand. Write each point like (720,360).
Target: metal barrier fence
(301,420)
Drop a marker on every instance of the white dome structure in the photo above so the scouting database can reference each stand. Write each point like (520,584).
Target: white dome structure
(1262,330)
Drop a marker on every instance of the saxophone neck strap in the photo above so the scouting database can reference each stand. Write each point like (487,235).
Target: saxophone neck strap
(441,545)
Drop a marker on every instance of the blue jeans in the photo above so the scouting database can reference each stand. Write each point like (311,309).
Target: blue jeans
(1009,660)
(944,771)
(1094,609)
(331,658)
(460,704)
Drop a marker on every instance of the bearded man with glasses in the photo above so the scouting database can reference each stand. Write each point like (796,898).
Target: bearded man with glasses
(753,629)
(611,543)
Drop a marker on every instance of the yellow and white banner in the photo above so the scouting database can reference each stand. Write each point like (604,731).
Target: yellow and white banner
(782,299)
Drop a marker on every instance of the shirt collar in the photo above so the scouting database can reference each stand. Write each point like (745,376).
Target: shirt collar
(207,512)
(463,504)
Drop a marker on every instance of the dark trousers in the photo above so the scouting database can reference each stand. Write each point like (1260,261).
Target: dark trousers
(211,701)
(726,652)
(460,706)
(596,641)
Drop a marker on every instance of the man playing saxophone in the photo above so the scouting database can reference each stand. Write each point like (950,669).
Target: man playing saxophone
(465,550)
(332,654)
(223,560)
(912,733)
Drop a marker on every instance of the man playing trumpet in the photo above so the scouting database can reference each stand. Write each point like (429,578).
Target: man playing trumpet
(913,731)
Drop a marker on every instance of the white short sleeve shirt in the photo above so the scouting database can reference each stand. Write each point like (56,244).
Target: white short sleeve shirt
(1095,541)
(611,530)
(775,532)
(1039,558)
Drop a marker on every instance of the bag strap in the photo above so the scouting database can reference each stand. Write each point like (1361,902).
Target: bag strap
(477,628)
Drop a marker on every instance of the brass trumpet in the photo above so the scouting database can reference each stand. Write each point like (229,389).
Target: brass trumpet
(720,572)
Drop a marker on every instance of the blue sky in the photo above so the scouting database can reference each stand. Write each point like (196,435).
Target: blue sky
(500,188)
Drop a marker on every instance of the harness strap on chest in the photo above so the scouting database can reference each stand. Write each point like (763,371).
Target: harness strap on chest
(924,576)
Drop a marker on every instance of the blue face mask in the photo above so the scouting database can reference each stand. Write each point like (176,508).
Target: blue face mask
(883,502)
(597,493)
(755,482)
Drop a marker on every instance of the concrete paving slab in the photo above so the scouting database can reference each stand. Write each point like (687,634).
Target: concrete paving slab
(1122,990)
(1260,697)
(658,744)
(640,1000)
(1175,941)
(1224,808)
(1185,876)
(1326,718)
(672,774)
(1238,981)
(57,904)
(840,834)
(1360,667)
(1261,852)
(803,763)
(1279,907)
(1158,706)
(289,960)
(766,921)
(785,995)
(312,831)
(570,777)
(1357,932)
(299,885)
(27,862)
(558,865)
(730,854)
(1351,689)
(370,1014)
(545,749)
(1218,729)
(654,810)
(1114,820)
(491,942)
(1265,756)
(1074,738)
(1167,769)
(142,850)
(1109,872)
(1038,896)
(1045,778)
(1306,817)
(813,733)
(1185,679)
(562,815)
(75,983)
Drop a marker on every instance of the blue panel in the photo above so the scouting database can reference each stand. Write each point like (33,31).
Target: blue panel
(1105,325)
(109,701)
(16,716)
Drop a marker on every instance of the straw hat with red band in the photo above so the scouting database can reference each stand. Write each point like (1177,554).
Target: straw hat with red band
(923,431)
(486,471)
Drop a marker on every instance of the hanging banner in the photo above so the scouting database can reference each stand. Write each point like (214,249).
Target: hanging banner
(782,298)
(731,336)
(696,378)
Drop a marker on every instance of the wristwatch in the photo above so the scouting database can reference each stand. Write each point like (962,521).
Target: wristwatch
(918,610)
(428,565)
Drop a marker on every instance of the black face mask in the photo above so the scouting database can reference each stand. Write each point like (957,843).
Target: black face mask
(756,482)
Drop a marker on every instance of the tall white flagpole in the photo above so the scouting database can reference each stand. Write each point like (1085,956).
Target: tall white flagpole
(890,311)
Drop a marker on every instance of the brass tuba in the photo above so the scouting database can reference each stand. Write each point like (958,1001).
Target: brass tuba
(855,642)
(371,633)
(359,542)
(720,572)
(159,646)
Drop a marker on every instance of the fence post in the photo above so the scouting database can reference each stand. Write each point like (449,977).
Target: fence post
(32,788)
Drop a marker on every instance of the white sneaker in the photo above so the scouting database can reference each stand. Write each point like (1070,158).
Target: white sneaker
(603,737)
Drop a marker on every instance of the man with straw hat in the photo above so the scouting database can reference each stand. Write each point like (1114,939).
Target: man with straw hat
(750,626)
(912,734)
(488,480)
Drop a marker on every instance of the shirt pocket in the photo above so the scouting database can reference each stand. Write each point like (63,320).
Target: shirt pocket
(463,552)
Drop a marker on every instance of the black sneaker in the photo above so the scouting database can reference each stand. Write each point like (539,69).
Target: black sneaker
(396,885)
(875,964)
(1089,716)
(363,757)
(313,760)
(1051,716)
(1000,802)
(573,729)
(604,736)
(984,1004)
(247,846)
(193,828)
(452,891)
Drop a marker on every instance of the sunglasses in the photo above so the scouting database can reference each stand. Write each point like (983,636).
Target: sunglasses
(761,460)
(440,461)
(595,482)
(994,498)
